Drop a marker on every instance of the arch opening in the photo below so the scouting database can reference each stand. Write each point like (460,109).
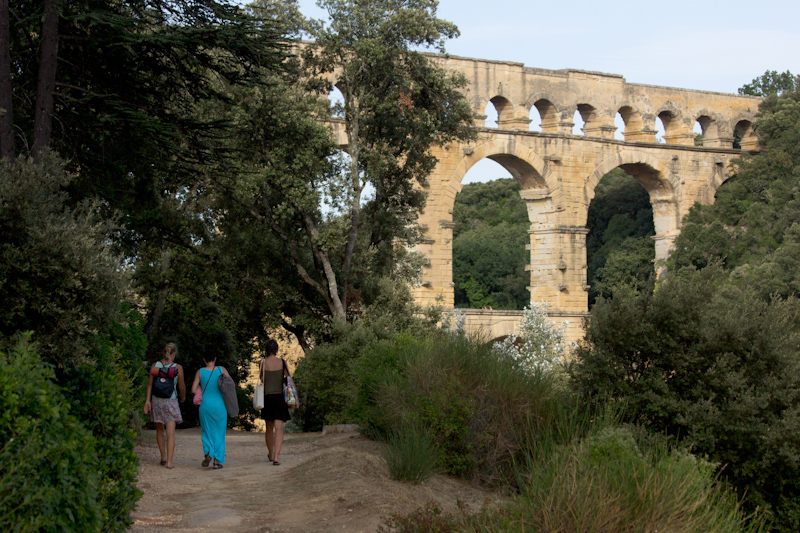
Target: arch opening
(498,109)
(632,122)
(548,115)
(620,249)
(585,120)
(490,233)
(743,136)
(336,101)
(536,119)
(661,131)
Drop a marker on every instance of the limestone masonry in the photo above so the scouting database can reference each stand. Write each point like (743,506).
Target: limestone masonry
(558,171)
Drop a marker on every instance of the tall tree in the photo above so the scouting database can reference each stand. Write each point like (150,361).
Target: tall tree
(397,103)
(6,91)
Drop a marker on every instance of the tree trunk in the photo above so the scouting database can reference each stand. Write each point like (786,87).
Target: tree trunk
(161,300)
(48,61)
(6,104)
(355,209)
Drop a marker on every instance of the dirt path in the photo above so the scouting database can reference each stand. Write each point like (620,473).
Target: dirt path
(333,482)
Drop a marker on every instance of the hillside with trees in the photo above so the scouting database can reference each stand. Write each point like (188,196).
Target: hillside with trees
(489,238)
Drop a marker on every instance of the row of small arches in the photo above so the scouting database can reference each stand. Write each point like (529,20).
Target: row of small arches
(628,122)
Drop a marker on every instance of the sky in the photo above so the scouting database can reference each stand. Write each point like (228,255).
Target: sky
(709,45)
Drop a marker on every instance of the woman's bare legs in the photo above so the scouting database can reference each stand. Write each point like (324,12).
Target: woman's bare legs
(170,444)
(160,441)
(278,439)
(269,437)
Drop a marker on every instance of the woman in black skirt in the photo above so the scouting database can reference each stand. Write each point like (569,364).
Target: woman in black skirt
(275,413)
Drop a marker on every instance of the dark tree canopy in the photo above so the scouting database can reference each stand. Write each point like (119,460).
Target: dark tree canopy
(489,238)
(619,249)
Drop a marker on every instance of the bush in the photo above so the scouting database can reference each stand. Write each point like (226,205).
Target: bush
(712,364)
(48,480)
(101,396)
(471,401)
(606,482)
(328,377)
(58,276)
(411,454)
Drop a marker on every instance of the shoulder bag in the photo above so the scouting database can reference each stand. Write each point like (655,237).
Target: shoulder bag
(228,389)
(198,395)
(258,392)
(289,390)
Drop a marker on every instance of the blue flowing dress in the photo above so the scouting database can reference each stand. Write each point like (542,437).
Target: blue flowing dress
(213,415)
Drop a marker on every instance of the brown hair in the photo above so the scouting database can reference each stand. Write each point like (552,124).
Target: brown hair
(272,347)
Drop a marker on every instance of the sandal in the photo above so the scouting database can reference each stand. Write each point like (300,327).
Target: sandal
(206,460)
(276,463)
(163,462)
(217,465)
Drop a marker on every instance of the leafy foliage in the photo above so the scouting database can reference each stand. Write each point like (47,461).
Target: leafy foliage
(710,363)
(489,256)
(60,281)
(332,377)
(618,247)
(48,474)
(772,82)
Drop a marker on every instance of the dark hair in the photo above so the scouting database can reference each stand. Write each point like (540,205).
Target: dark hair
(272,347)
(209,355)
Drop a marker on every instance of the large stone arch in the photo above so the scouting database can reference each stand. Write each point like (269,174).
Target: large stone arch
(660,184)
(525,165)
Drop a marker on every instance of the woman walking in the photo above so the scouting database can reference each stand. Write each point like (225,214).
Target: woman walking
(213,415)
(161,402)
(275,413)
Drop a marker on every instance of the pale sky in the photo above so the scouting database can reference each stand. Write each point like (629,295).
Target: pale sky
(710,45)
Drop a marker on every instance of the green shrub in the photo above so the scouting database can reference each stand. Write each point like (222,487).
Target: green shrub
(606,483)
(411,454)
(471,401)
(48,480)
(712,364)
(101,396)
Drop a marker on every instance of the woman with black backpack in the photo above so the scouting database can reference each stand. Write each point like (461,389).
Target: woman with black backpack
(166,381)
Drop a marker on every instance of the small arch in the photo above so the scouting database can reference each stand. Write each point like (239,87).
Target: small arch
(548,114)
(709,129)
(632,120)
(336,101)
(619,125)
(743,136)
(536,119)
(503,110)
(669,124)
(660,130)
(586,115)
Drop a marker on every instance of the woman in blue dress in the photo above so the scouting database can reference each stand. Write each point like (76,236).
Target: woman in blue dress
(213,415)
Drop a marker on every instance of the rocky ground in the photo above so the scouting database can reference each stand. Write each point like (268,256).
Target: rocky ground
(335,482)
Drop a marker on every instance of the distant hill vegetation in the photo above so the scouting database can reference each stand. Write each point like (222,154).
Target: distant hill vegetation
(491,231)
(489,238)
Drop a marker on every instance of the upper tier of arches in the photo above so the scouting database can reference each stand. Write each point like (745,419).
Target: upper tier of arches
(560,99)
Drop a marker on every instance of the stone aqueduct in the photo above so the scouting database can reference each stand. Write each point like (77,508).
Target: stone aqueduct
(558,171)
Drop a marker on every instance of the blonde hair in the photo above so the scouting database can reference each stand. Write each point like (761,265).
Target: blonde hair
(172,348)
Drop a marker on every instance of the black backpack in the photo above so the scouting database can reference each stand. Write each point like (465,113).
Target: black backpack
(164,383)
